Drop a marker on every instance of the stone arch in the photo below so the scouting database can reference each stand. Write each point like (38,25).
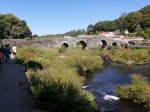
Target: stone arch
(65,45)
(104,44)
(83,44)
(121,45)
(124,45)
(114,44)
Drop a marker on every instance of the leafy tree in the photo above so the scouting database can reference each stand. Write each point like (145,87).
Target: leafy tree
(12,27)
(106,26)
(90,29)
(1,26)
(145,10)
(148,32)
(132,20)
(145,21)
(120,21)
(75,33)
(136,20)
(35,35)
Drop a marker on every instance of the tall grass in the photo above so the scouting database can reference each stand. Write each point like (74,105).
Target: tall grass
(56,82)
(137,56)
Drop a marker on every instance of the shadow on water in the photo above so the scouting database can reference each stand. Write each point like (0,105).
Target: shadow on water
(104,82)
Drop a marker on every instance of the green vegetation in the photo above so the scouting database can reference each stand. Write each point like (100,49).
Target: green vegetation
(57,83)
(12,27)
(73,33)
(128,56)
(138,91)
(57,76)
(137,23)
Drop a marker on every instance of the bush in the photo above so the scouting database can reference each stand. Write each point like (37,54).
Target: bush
(58,89)
(138,91)
(138,56)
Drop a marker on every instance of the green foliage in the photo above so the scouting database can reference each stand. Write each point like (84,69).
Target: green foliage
(59,99)
(75,33)
(124,55)
(58,88)
(90,29)
(143,34)
(96,32)
(139,20)
(55,82)
(62,49)
(34,65)
(102,26)
(83,61)
(138,91)
(145,10)
(13,27)
(84,64)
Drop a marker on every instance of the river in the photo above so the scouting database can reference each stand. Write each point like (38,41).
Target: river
(103,83)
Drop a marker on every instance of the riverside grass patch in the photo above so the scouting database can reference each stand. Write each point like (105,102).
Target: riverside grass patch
(137,56)
(56,82)
(138,91)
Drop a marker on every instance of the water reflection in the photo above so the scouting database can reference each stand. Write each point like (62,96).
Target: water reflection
(104,82)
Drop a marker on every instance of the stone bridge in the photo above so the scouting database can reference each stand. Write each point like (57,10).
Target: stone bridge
(86,42)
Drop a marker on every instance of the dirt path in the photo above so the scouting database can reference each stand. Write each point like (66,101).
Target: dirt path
(15,95)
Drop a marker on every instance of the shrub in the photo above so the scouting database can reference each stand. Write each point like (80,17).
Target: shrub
(58,89)
(138,56)
(138,91)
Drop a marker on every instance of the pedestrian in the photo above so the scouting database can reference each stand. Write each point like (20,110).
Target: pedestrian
(14,50)
(2,51)
(1,59)
(7,53)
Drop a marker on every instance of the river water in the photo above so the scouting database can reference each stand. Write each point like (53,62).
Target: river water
(103,83)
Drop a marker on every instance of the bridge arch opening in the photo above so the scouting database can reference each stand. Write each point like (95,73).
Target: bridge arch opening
(114,44)
(64,45)
(104,44)
(81,45)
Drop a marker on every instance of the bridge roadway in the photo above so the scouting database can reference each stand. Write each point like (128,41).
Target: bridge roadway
(87,42)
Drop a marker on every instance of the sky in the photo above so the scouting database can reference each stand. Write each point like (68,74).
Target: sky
(60,16)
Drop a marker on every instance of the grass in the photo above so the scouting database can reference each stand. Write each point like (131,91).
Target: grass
(57,83)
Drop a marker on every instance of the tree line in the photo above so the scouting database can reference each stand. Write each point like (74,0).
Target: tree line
(137,23)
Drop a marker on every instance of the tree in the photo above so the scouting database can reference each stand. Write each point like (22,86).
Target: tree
(135,21)
(2,24)
(35,35)
(12,27)
(145,21)
(132,20)
(120,21)
(90,29)
(145,10)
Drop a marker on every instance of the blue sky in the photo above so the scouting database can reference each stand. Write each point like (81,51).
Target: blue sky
(59,16)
